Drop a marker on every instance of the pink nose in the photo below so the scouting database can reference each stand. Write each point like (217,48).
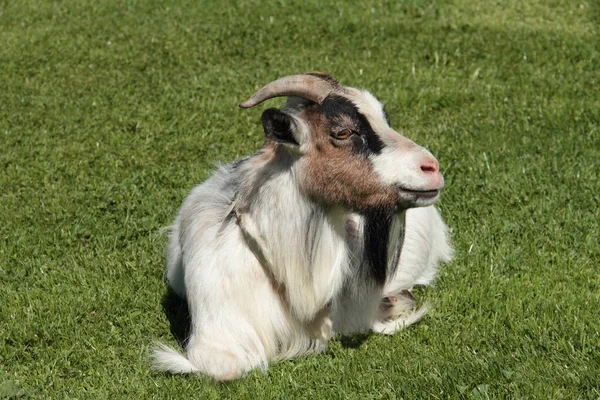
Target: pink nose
(431,169)
(430,166)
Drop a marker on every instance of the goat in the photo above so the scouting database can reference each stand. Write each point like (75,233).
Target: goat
(316,234)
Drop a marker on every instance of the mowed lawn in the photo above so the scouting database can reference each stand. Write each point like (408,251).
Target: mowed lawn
(111,111)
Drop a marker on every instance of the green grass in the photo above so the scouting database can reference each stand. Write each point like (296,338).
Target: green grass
(110,112)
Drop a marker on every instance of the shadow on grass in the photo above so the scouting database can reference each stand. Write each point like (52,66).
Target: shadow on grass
(178,314)
(354,341)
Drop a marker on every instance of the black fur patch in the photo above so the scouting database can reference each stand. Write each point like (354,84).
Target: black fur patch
(359,145)
(393,265)
(334,107)
(378,223)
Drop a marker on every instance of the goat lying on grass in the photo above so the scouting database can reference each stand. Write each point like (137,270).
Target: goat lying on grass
(307,238)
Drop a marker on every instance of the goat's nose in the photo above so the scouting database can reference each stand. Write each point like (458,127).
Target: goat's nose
(430,166)
(431,172)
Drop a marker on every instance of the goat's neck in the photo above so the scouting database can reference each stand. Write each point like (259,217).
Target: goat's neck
(299,241)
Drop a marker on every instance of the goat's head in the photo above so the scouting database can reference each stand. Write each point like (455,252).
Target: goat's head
(349,154)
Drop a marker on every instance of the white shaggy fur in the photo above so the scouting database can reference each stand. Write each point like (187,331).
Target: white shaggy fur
(238,254)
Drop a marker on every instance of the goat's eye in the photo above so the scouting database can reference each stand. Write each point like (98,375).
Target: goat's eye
(345,134)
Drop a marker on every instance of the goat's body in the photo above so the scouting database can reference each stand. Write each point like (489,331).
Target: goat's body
(314,235)
(305,284)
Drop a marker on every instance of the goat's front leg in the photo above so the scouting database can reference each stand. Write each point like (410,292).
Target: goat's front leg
(397,312)
(397,304)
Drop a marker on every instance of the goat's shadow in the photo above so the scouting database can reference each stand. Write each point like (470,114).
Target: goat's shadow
(353,341)
(178,314)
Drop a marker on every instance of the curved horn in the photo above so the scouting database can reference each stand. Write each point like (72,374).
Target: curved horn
(313,86)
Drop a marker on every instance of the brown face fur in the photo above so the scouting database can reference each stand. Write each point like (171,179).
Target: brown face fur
(333,173)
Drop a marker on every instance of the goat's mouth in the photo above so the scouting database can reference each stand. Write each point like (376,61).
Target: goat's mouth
(418,197)
(422,194)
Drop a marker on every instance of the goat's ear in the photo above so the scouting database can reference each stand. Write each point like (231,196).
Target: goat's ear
(279,126)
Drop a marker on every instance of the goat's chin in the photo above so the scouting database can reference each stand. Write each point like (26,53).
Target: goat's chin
(417,198)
